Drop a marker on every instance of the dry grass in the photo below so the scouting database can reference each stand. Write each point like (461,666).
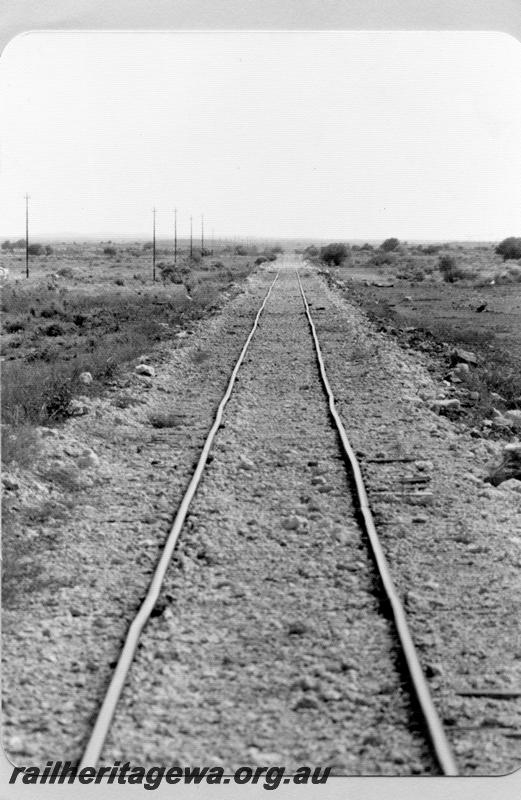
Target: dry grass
(57,329)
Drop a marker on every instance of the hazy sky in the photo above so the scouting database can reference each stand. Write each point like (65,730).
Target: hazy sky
(333,135)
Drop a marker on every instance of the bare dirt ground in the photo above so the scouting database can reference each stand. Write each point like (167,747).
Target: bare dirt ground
(267,643)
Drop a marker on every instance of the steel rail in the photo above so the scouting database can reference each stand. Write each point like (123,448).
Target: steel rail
(437,735)
(101,727)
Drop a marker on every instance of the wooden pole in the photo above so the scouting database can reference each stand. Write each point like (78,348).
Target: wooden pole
(26,235)
(154,244)
(175,236)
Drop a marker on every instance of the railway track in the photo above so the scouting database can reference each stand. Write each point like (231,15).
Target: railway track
(280,410)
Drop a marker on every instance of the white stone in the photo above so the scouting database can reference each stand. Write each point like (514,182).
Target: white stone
(77,408)
(145,369)
(88,460)
(512,484)
(85,378)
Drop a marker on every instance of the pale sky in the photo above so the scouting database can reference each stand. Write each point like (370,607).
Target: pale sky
(333,135)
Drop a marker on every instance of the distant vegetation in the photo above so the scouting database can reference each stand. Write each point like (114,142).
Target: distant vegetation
(509,248)
(390,244)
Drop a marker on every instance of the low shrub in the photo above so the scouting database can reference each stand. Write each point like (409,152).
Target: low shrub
(334,253)
(54,329)
(109,251)
(35,249)
(382,257)
(14,325)
(450,270)
(66,272)
(49,311)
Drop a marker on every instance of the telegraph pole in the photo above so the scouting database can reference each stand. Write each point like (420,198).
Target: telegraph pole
(191,238)
(175,236)
(202,233)
(154,244)
(26,235)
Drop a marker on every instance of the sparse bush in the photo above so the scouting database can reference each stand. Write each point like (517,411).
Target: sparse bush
(54,329)
(334,253)
(66,272)
(174,273)
(367,246)
(48,312)
(412,270)
(35,249)
(19,244)
(509,248)
(14,325)
(390,244)
(450,270)
(119,282)
(217,265)
(196,256)
(48,250)
(7,246)
(312,251)
(241,250)
(260,260)
(109,251)
(79,320)
(382,257)
(430,249)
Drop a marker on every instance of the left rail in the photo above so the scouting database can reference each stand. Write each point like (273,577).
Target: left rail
(105,715)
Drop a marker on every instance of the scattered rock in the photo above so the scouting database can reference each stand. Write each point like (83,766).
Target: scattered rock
(307,701)
(510,466)
(512,484)
(291,523)
(462,369)
(88,460)
(467,356)
(85,378)
(145,369)
(77,407)
(297,628)
(246,463)
(514,417)
(10,483)
(442,406)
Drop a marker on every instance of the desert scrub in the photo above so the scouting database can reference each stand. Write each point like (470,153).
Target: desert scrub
(451,271)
